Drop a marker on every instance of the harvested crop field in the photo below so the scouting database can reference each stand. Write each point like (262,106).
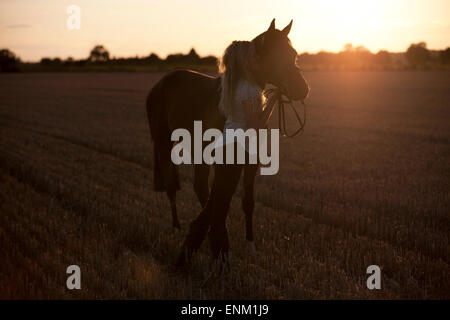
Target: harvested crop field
(368,183)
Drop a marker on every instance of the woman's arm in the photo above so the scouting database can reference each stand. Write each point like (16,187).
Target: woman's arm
(259,119)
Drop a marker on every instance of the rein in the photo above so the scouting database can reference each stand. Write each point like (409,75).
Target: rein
(282,100)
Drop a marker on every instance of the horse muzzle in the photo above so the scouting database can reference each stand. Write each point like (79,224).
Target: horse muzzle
(295,87)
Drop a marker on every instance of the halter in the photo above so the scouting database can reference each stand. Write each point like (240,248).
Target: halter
(282,114)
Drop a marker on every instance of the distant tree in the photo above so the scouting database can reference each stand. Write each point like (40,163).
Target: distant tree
(361,49)
(324,59)
(8,61)
(210,60)
(176,58)
(418,54)
(311,60)
(80,63)
(51,62)
(444,56)
(383,59)
(353,57)
(193,56)
(99,54)
(348,47)
(68,62)
(153,59)
(46,61)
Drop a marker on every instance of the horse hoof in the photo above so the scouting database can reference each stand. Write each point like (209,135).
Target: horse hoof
(251,247)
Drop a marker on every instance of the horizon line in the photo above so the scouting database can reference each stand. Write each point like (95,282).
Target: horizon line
(207,55)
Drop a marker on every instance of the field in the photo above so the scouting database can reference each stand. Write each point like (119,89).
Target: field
(367,183)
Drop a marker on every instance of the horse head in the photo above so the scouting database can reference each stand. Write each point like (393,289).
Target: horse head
(274,62)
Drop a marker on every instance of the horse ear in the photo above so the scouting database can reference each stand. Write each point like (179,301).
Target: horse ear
(287,29)
(272,25)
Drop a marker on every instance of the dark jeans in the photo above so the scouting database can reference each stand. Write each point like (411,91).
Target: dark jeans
(213,215)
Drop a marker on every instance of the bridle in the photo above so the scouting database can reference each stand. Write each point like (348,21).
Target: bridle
(282,100)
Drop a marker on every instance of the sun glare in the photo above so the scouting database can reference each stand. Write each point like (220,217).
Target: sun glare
(342,21)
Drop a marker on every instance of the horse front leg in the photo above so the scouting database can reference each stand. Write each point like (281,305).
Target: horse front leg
(248,203)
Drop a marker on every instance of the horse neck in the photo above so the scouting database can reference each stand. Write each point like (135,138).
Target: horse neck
(256,77)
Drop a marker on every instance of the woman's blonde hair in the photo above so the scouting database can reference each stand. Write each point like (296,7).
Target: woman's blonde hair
(233,67)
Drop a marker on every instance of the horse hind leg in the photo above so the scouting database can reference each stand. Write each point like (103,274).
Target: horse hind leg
(172,186)
(168,173)
(201,182)
(172,195)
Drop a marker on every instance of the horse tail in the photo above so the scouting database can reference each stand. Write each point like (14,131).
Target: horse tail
(165,174)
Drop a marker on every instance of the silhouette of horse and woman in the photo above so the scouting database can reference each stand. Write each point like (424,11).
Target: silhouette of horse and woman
(232,100)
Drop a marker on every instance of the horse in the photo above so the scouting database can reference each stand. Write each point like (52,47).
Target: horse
(183,96)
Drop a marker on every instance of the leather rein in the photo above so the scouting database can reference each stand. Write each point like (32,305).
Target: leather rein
(282,100)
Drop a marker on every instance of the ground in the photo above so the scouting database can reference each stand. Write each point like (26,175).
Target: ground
(367,183)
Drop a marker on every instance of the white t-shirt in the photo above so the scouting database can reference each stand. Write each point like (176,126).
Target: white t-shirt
(245,90)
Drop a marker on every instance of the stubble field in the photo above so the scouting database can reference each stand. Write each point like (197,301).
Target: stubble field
(367,183)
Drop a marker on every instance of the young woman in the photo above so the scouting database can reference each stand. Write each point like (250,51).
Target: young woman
(244,105)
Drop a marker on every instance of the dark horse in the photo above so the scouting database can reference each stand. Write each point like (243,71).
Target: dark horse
(180,98)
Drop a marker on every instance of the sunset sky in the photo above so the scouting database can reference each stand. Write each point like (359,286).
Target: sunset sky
(37,28)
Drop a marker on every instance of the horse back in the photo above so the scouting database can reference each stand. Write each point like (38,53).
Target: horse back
(182,97)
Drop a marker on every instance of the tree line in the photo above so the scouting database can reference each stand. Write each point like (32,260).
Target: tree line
(417,57)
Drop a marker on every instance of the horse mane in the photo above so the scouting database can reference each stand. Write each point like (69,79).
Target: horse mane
(233,67)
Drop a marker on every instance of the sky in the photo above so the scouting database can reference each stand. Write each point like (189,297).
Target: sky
(38,28)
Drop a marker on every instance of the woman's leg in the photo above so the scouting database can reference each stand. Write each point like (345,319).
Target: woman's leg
(225,182)
(248,202)
(197,232)
(226,178)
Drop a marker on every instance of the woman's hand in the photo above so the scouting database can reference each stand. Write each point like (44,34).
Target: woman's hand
(258,120)
(253,118)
